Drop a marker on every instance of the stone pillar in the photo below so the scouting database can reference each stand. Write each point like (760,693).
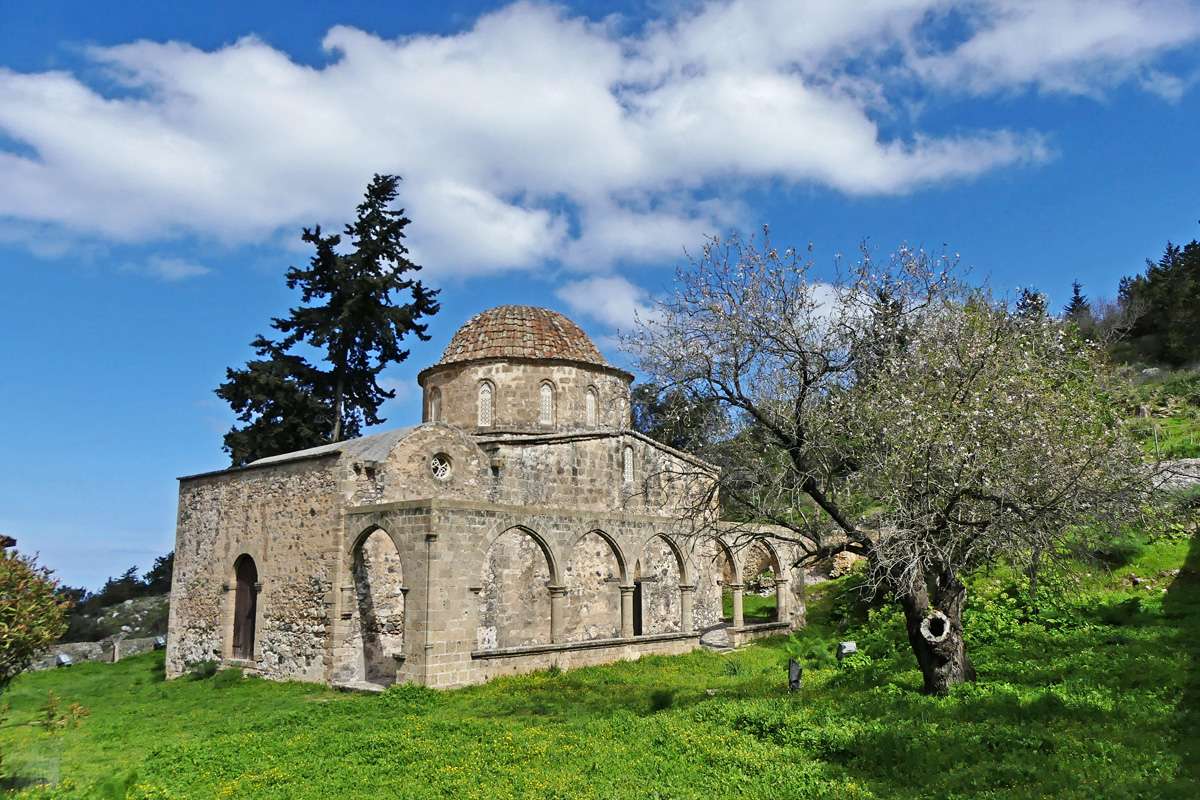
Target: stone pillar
(627,611)
(739,619)
(687,593)
(558,600)
(781,596)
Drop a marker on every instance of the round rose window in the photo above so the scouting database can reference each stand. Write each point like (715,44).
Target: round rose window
(439,465)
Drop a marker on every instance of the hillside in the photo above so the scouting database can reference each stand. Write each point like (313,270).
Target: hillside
(1095,695)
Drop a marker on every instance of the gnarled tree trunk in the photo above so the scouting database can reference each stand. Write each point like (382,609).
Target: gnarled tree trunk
(935,631)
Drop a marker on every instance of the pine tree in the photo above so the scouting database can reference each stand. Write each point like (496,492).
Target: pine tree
(1031,304)
(1078,307)
(348,311)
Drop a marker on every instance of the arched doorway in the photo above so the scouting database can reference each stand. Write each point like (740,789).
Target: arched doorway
(245,607)
(761,572)
(379,607)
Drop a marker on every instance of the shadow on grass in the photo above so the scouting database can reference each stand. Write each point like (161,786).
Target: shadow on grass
(1181,608)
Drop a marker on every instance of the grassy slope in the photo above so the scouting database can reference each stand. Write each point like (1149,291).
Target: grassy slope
(1074,708)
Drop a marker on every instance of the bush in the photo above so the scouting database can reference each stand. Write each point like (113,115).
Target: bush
(32,616)
(1122,613)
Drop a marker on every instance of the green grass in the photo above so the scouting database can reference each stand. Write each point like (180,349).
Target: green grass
(1095,696)
(754,607)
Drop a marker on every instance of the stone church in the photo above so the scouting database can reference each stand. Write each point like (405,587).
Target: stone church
(523,524)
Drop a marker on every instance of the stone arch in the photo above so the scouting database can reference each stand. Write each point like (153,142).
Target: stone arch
(486,404)
(376,630)
(761,572)
(719,571)
(591,406)
(245,606)
(547,402)
(519,572)
(433,412)
(658,573)
(595,572)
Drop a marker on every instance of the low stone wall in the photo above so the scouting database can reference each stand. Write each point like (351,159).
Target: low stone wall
(106,651)
(764,630)
(518,660)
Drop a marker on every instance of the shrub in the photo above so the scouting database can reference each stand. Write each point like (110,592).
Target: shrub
(1120,549)
(1122,613)
(32,616)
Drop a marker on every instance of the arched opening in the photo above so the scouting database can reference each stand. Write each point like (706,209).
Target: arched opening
(593,579)
(590,404)
(657,604)
(546,403)
(245,607)
(486,401)
(760,573)
(627,464)
(379,608)
(714,588)
(514,598)
(435,405)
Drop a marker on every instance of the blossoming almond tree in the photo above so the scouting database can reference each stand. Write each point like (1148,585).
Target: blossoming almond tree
(895,414)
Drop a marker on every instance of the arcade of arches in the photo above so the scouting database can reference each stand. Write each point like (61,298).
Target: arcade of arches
(522,525)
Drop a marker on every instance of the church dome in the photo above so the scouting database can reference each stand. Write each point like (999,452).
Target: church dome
(521,332)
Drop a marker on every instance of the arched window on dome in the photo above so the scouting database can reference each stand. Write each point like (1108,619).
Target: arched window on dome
(589,406)
(486,395)
(435,405)
(627,464)
(546,404)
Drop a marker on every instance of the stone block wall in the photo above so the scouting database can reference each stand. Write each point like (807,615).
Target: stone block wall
(516,395)
(287,518)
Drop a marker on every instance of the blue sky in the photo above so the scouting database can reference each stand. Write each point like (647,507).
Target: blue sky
(157,161)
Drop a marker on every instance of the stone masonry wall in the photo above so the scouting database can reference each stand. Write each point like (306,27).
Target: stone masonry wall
(516,397)
(285,517)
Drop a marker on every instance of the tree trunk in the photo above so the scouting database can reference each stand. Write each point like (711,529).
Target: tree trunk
(936,634)
(337,408)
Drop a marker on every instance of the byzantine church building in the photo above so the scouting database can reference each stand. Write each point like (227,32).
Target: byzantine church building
(521,525)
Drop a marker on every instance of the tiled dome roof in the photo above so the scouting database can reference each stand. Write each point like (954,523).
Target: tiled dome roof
(521,332)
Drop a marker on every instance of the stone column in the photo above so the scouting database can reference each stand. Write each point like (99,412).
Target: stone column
(781,596)
(627,611)
(739,619)
(687,593)
(558,600)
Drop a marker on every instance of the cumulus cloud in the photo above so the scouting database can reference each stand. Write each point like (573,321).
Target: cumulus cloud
(538,135)
(609,299)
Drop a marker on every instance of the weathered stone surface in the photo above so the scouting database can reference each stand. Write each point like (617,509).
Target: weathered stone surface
(456,553)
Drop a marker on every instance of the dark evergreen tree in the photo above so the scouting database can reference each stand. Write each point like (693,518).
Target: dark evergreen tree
(1032,304)
(158,579)
(1164,302)
(1078,306)
(359,325)
(670,417)
(352,313)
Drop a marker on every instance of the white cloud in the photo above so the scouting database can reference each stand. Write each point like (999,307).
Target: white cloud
(1072,46)
(169,268)
(539,136)
(609,299)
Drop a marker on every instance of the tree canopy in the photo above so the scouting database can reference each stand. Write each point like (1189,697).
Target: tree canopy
(351,314)
(1165,305)
(897,414)
(32,614)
